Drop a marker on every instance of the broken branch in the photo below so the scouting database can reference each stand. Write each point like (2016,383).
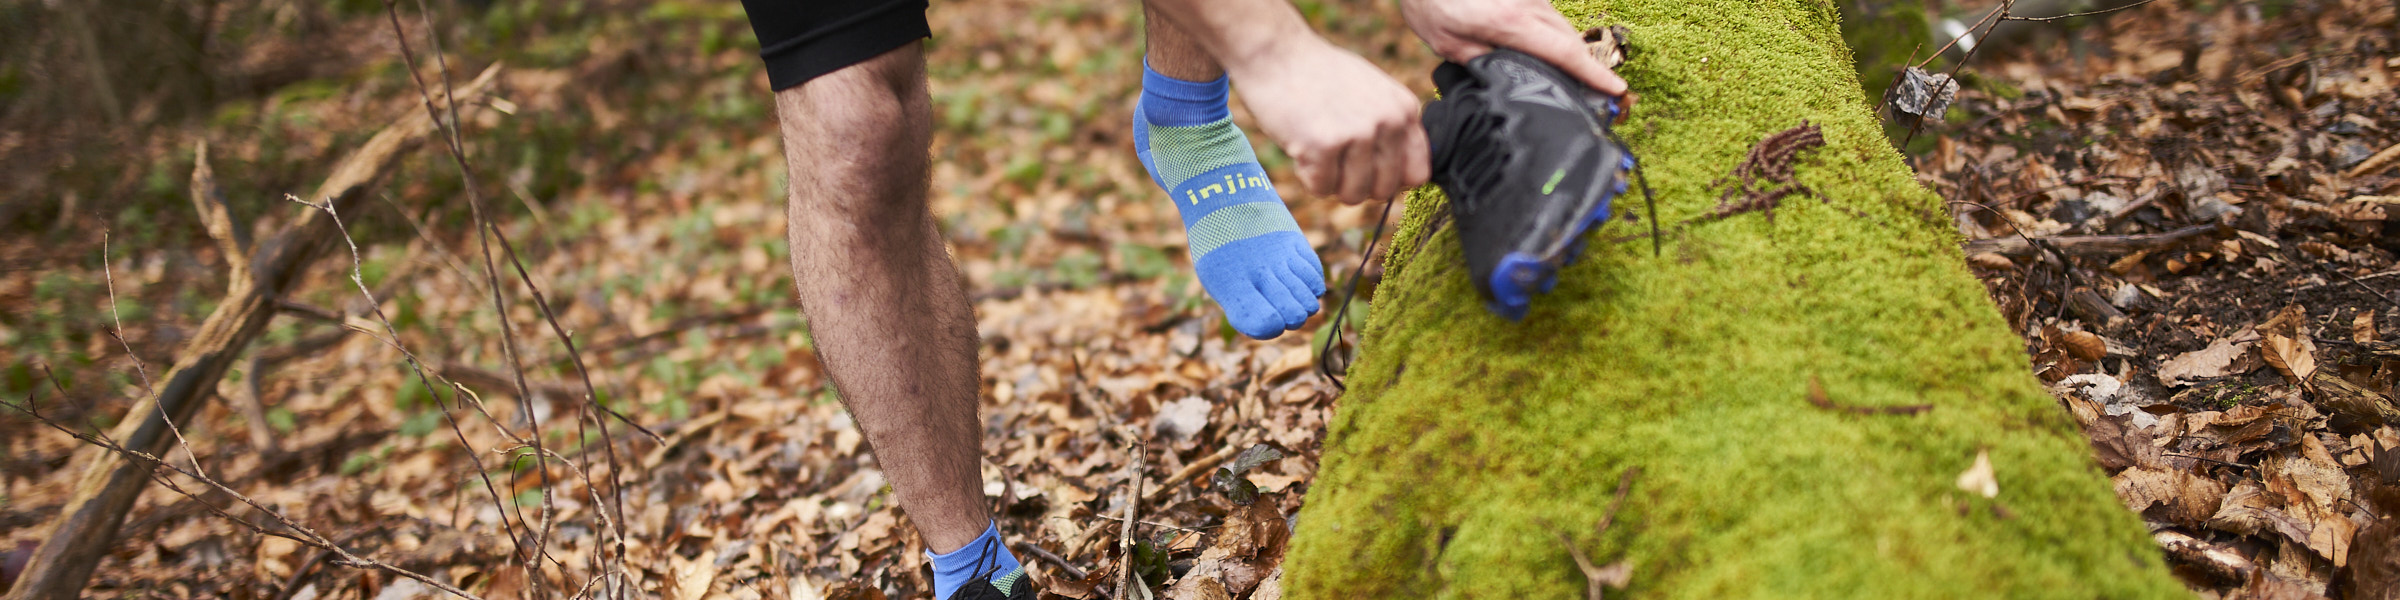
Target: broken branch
(2089,245)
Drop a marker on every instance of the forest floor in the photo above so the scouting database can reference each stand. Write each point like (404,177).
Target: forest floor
(2183,212)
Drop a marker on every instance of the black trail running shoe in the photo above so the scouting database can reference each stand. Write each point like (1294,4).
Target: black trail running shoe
(1016,584)
(1523,151)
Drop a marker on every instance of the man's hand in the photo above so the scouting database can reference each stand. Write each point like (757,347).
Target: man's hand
(1460,30)
(1351,130)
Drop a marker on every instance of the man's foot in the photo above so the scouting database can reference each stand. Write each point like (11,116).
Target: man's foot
(984,569)
(1244,244)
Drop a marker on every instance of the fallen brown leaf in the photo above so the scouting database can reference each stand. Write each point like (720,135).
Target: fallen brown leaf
(2243,510)
(2287,345)
(2375,561)
(692,576)
(2217,360)
(2187,499)
(1272,588)
(2385,159)
(1197,588)
(1249,546)
(852,590)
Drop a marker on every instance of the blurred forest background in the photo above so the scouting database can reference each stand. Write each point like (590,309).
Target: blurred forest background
(630,154)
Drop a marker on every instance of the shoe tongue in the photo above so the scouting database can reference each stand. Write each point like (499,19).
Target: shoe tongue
(1441,120)
(1447,77)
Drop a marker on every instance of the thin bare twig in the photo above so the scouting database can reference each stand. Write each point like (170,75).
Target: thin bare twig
(119,334)
(487,231)
(2074,15)
(1971,29)
(391,337)
(1197,468)
(1598,578)
(107,273)
(1133,506)
(1064,568)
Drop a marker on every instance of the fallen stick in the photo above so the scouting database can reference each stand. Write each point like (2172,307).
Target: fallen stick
(1064,568)
(2217,561)
(1194,470)
(2088,245)
(2375,164)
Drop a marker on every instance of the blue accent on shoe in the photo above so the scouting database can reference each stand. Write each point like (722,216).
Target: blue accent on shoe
(985,559)
(1245,246)
(1514,281)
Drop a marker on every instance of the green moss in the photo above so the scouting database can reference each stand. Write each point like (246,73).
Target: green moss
(1466,440)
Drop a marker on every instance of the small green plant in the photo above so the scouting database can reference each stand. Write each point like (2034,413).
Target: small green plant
(365,462)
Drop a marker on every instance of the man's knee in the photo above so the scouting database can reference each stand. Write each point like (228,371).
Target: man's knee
(861,136)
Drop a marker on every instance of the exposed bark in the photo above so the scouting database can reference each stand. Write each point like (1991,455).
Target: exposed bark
(86,526)
(1464,438)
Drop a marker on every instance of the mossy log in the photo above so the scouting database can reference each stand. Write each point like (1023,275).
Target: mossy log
(1468,445)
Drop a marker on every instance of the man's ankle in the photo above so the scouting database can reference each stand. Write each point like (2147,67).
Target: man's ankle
(1170,101)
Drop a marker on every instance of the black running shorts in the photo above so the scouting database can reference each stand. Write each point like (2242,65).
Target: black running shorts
(802,39)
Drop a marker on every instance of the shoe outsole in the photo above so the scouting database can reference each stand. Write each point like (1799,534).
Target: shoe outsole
(1520,274)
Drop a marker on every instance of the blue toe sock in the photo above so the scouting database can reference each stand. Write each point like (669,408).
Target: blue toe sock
(986,559)
(1244,244)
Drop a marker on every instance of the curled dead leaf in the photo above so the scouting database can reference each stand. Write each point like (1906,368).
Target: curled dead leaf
(2287,346)
(2084,345)
(1291,363)
(1991,261)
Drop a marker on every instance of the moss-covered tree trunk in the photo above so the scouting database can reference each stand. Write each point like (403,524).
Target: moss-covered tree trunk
(1468,444)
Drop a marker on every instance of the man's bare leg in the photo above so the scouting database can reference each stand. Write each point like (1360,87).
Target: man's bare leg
(1174,53)
(884,301)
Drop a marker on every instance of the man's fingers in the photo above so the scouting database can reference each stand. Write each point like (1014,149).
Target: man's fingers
(1322,174)
(1568,52)
(1358,171)
(1417,159)
(1400,160)
(1462,50)
(1388,171)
